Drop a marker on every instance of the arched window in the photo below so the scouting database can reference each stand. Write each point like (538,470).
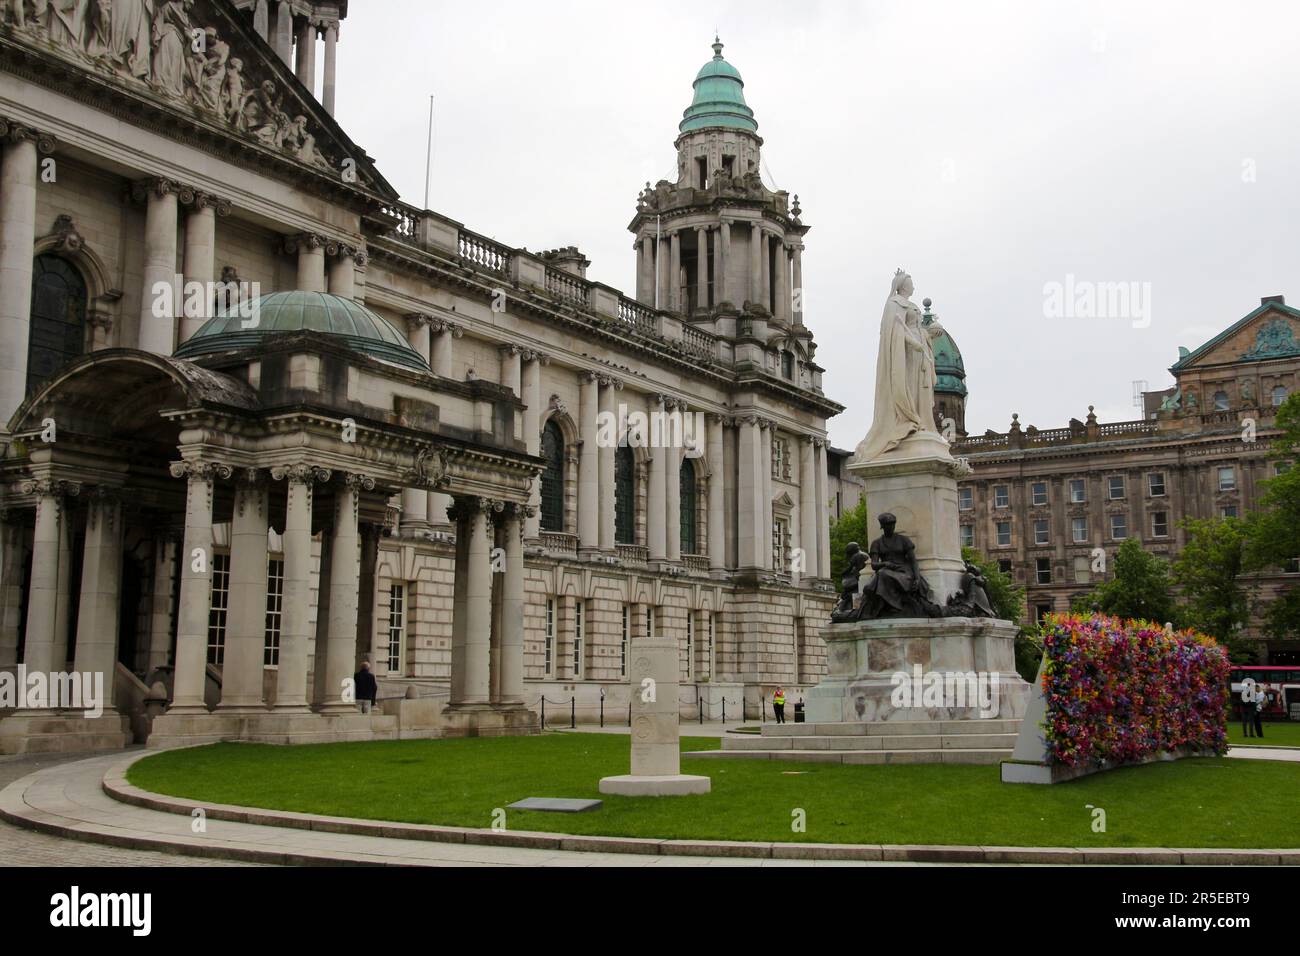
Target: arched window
(687,479)
(58,332)
(624,496)
(553,478)
(1220,401)
(1279,395)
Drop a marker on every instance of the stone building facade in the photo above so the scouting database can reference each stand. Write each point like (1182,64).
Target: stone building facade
(1043,501)
(674,442)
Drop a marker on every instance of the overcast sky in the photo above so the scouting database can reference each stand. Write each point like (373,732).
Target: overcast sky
(988,148)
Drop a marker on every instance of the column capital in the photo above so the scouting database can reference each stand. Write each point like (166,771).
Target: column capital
(304,240)
(468,506)
(532,355)
(301,473)
(155,187)
(716,418)
(589,377)
(357,482)
(200,470)
(50,487)
(250,486)
(611,381)
(345,250)
(12,132)
(198,199)
(417,320)
(506,351)
(438,324)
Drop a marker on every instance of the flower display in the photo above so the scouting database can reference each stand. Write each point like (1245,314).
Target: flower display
(1121,691)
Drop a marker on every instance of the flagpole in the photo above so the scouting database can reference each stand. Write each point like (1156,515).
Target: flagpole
(428,154)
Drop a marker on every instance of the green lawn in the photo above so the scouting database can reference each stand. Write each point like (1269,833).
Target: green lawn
(1196,802)
(1280,733)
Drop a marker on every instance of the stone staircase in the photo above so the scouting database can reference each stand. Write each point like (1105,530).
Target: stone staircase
(877,742)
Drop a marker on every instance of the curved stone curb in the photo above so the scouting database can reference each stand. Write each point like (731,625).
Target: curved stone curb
(116,786)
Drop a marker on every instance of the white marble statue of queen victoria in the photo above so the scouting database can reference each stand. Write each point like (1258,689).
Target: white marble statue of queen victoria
(905,375)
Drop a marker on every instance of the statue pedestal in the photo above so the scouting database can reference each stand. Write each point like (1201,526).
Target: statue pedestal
(917,483)
(868,661)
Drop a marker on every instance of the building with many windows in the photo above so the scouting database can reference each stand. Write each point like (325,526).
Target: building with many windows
(228,314)
(1046,503)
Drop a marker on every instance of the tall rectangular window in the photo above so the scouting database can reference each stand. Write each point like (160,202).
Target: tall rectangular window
(649,621)
(1115,487)
(548,641)
(1078,491)
(967,536)
(1004,565)
(218,609)
(779,536)
(623,638)
(1041,532)
(965,500)
(1079,530)
(1119,527)
(1156,484)
(1039,491)
(578,607)
(1160,524)
(274,608)
(1043,570)
(1082,570)
(1001,497)
(1004,532)
(396,626)
(690,645)
(1228,511)
(1227,479)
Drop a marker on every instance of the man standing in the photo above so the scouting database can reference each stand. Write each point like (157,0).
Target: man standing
(367,687)
(778,705)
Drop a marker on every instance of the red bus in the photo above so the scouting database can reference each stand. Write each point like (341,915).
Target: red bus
(1281,687)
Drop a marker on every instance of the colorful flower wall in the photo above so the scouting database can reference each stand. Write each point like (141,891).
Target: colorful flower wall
(1121,691)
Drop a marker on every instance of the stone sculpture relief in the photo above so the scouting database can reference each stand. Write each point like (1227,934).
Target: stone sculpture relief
(159,44)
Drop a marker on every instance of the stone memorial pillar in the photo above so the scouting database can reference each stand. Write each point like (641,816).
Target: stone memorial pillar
(653,669)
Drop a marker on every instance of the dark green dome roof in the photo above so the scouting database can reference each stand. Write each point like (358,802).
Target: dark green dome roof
(949,368)
(359,327)
(719,98)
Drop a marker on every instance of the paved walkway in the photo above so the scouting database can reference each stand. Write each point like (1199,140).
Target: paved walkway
(22,847)
(688,728)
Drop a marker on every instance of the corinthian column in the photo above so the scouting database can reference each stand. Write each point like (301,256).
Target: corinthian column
(768,428)
(331,42)
(657,504)
(675,272)
(241,672)
(808,518)
(512,608)
(201,256)
(755,263)
(823,513)
(284,31)
(606,460)
(749,509)
(415,501)
(532,386)
(797,267)
(18,174)
(344,260)
(306,68)
(588,464)
(702,268)
(310,249)
(295,613)
(717,516)
(196,585)
(160,300)
(472,604)
(98,616)
(42,592)
(722,259)
(345,575)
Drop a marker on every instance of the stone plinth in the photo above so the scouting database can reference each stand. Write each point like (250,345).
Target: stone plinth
(656,745)
(863,658)
(917,483)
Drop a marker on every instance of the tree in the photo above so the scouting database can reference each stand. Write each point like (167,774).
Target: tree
(851,526)
(1209,572)
(1140,590)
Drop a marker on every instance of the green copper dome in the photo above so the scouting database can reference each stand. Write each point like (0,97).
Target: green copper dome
(949,369)
(719,98)
(361,329)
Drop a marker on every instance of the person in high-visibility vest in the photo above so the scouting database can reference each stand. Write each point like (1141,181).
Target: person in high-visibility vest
(778,705)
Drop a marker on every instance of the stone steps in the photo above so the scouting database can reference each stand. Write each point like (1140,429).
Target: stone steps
(876,742)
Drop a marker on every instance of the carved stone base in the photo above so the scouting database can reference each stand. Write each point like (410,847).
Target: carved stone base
(864,658)
(917,483)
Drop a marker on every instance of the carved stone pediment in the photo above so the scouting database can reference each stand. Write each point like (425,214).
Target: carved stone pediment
(191,55)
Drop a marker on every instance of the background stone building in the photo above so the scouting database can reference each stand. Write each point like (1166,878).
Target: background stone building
(1041,500)
(137,169)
